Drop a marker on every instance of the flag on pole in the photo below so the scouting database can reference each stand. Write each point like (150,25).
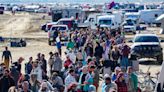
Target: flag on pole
(111,5)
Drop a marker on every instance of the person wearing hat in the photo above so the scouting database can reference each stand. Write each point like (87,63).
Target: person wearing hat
(108,85)
(121,84)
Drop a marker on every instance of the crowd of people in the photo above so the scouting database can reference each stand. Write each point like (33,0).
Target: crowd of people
(91,57)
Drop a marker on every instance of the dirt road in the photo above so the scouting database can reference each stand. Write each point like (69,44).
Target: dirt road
(26,25)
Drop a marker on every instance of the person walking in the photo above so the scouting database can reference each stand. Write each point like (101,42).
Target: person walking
(121,84)
(108,85)
(86,79)
(37,70)
(132,80)
(50,61)
(69,79)
(7,57)
(57,63)
(125,51)
(98,51)
(58,45)
(18,64)
(115,55)
(6,81)
(28,66)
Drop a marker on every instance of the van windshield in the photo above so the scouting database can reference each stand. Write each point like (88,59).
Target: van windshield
(130,22)
(105,22)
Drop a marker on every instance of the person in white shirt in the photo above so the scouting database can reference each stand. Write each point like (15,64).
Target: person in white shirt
(70,79)
(37,70)
(72,56)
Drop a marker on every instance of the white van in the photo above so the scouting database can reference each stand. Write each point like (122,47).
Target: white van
(108,21)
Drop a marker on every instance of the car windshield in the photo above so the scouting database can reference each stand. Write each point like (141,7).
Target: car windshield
(106,22)
(146,39)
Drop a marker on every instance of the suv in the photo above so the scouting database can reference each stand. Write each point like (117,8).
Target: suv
(146,46)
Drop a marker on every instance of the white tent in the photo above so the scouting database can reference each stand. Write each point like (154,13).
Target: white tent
(161,19)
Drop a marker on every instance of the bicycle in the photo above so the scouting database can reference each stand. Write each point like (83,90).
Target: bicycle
(147,83)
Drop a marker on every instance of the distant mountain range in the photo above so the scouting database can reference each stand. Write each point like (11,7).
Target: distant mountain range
(74,1)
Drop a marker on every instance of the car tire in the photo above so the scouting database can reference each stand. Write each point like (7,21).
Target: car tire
(160,59)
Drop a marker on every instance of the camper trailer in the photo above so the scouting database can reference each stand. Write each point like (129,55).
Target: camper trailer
(149,16)
(59,13)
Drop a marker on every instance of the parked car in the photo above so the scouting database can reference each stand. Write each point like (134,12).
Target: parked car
(146,46)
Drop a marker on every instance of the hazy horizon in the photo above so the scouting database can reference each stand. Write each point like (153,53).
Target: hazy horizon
(75,1)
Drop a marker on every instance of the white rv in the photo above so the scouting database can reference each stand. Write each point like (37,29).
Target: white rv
(112,21)
(149,16)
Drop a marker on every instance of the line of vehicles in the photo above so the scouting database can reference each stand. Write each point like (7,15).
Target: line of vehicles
(130,22)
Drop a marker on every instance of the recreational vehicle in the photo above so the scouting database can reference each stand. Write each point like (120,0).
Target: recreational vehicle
(57,14)
(149,16)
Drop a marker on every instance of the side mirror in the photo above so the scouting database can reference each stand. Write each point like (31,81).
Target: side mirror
(96,24)
(112,24)
(162,40)
(130,41)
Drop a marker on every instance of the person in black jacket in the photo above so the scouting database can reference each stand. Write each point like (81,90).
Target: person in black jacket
(18,64)
(89,49)
(98,51)
(6,82)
